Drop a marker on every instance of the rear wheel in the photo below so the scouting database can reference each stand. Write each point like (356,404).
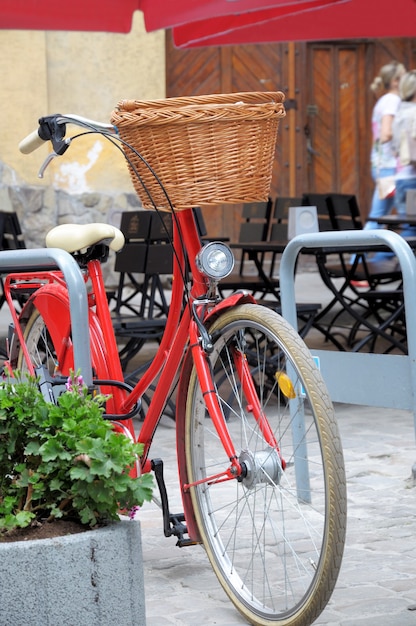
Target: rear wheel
(275,535)
(45,340)
(39,344)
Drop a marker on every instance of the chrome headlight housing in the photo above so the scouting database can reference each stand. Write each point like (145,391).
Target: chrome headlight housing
(215,260)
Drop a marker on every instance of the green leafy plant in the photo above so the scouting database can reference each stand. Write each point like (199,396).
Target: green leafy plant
(63,461)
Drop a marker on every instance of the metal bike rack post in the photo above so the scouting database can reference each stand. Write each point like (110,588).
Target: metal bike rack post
(385,380)
(45,259)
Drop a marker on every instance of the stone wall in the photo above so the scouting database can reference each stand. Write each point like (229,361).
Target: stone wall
(39,208)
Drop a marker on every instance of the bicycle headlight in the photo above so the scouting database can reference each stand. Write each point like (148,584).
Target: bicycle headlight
(215,260)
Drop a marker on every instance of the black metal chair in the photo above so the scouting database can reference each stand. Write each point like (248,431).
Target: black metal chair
(326,218)
(141,306)
(361,301)
(280,224)
(11,238)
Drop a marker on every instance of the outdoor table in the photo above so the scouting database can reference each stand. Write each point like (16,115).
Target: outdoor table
(394,220)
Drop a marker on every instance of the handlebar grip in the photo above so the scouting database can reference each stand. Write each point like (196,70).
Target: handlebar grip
(31,142)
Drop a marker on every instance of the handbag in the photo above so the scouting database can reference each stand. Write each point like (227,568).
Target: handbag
(386,186)
(407,149)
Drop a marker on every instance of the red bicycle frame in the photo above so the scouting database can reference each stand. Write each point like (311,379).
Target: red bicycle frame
(181,338)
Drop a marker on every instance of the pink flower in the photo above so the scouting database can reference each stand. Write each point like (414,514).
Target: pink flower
(133,511)
(75,383)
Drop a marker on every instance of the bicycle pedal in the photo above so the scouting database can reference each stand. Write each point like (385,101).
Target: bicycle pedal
(184,543)
(178,529)
(173,524)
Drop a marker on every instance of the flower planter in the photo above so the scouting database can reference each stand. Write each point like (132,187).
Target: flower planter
(94,578)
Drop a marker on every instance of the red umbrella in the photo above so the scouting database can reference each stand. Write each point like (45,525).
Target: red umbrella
(116,15)
(88,15)
(349,20)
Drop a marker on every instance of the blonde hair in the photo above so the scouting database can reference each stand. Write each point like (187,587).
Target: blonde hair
(407,86)
(387,73)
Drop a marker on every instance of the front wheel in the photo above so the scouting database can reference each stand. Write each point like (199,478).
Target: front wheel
(275,535)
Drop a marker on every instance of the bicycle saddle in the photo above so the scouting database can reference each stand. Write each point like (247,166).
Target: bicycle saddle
(74,237)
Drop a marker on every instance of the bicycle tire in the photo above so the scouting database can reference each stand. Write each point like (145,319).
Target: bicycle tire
(276,556)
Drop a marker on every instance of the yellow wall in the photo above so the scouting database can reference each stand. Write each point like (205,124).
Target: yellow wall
(84,73)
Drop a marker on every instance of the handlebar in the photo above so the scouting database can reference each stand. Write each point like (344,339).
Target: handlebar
(31,142)
(53,128)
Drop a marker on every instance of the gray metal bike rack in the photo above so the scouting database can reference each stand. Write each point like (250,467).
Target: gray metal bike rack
(46,259)
(385,380)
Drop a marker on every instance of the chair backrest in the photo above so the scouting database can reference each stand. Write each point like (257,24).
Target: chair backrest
(280,218)
(161,228)
(145,233)
(146,251)
(159,253)
(11,236)
(135,225)
(345,211)
(326,219)
(255,220)
(132,258)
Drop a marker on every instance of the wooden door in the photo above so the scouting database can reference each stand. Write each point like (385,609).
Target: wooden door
(335,119)
(226,70)
(325,140)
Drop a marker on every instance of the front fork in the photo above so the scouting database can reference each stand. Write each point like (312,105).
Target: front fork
(200,352)
(209,392)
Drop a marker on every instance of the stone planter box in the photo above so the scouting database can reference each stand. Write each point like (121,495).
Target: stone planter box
(94,578)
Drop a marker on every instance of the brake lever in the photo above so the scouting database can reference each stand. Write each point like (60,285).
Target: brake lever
(50,158)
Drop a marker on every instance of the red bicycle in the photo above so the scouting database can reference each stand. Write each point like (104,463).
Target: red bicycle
(259,455)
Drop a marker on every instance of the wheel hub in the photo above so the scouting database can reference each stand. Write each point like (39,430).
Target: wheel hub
(263,466)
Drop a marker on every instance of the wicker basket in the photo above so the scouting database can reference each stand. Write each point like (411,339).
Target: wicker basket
(206,150)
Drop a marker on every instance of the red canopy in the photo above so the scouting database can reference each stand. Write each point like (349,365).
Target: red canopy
(355,19)
(87,15)
(169,13)
(116,15)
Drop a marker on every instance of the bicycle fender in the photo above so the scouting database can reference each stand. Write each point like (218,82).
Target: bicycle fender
(188,508)
(239,297)
(52,305)
(52,302)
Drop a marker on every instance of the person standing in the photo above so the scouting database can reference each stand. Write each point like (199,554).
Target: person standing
(383,159)
(404,126)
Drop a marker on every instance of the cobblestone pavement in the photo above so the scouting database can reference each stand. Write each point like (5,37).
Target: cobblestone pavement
(377,582)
